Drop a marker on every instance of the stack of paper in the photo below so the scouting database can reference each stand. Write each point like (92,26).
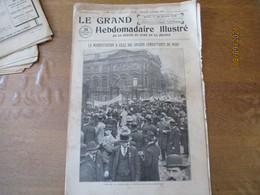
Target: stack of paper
(22,26)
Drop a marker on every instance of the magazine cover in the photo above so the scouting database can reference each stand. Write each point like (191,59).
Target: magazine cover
(137,120)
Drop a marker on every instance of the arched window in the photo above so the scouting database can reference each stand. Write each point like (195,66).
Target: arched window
(123,81)
(145,81)
(135,83)
(95,82)
(104,82)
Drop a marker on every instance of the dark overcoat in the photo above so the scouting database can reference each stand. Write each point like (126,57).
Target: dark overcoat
(133,159)
(174,141)
(150,163)
(112,122)
(93,171)
(89,134)
(164,133)
(138,138)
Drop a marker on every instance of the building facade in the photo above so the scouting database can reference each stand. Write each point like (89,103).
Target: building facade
(134,74)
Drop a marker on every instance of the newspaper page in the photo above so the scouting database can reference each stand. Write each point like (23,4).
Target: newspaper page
(16,62)
(137,122)
(23,22)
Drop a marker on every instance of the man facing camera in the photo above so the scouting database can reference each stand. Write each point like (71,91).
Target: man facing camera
(176,168)
(93,167)
(124,163)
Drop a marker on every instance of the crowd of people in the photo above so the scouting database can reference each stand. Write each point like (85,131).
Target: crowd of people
(126,142)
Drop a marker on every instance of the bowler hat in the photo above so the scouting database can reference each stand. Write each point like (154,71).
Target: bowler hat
(175,160)
(150,136)
(92,146)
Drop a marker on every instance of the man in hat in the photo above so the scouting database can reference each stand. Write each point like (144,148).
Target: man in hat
(124,164)
(111,121)
(150,159)
(174,139)
(149,126)
(124,129)
(129,120)
(137,136)
(175,168)
(107,143)
(164,132)
(89,131)
(93,167)
(100,129)
(184,136)
(123,116)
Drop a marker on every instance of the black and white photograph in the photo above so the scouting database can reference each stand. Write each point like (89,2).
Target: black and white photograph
(134,124)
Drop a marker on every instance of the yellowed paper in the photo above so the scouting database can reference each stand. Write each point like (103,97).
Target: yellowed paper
(22,22)
(138,61)
(21,57)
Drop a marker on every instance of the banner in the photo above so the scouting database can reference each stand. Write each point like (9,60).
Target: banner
(108,102)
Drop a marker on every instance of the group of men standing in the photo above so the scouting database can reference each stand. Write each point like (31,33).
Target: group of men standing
(126,145)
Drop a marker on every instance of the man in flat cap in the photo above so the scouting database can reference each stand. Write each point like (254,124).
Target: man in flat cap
(176,168)
(124,163)
(93,167)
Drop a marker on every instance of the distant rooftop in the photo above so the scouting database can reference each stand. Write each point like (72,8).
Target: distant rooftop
(117,53)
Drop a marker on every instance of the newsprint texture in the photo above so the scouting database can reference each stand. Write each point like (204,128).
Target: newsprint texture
(137,122)
(22,26)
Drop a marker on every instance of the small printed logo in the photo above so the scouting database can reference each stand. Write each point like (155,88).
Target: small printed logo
(85,31)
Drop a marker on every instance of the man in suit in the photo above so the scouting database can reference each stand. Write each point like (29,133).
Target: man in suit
(125,129)
(174,139)
(164,133)
(137,137)
(150,159)
(89,131)
(124,163)
(111,121)
(107,144)
(93,167)
(149,126)
(100,129)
